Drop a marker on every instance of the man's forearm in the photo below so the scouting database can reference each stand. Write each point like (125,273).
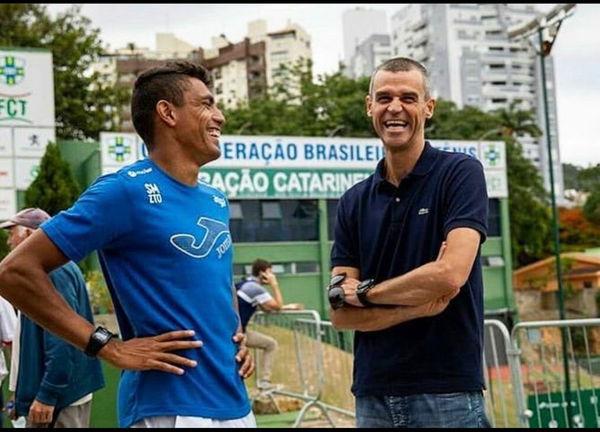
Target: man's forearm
(419,286)
(32,292)
(371,319)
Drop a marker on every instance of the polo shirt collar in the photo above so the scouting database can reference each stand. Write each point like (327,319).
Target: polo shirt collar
(422,167)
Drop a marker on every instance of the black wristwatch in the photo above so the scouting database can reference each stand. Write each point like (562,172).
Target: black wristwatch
(98,339)
(362,289)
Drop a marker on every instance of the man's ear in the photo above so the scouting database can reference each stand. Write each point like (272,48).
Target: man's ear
(368,105)
(430,108)
(166,112)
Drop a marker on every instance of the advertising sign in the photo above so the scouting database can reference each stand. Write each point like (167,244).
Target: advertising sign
(26,88)
(307,167)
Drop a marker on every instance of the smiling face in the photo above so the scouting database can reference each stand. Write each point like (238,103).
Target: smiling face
(199,122)
(399,108)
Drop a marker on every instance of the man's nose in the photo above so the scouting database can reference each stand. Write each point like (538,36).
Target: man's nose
(395,106)
(218,116)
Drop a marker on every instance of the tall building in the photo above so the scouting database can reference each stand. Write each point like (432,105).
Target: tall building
(472,62)
(168,46)
(238,70)
(369,54)
(288,46)
(357,25)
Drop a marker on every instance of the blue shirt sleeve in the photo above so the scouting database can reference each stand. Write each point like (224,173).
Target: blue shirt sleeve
(345,251)
(100,216)
(466,198)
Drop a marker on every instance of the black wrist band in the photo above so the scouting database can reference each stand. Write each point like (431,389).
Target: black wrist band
(98,339)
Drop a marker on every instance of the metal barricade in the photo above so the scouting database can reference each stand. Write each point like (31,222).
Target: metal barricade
(498,366)
(299,365)
(558,378)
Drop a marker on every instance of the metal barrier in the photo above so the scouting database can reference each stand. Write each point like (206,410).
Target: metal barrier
(524,373)
(560,372)
(299,363)
(498,367)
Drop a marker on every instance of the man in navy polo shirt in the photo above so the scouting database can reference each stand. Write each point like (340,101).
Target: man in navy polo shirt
(408,238)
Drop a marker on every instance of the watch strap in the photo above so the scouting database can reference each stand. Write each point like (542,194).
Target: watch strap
(100,337)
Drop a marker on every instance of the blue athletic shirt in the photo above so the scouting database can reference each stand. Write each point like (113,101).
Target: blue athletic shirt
(165,250)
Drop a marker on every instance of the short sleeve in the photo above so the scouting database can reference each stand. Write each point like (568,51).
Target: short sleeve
(466,198)
(100,216)
(345,251)
(254,293)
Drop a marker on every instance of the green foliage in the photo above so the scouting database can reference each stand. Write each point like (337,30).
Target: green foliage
(570,173)
(530,215)
(589,178)
(591,209)
(54,189)
(99,294)
(85,103)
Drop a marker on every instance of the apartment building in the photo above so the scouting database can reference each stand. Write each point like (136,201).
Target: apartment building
(359,24)
(472,62)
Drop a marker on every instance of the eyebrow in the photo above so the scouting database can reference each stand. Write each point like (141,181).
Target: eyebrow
(387,93)
(209,98)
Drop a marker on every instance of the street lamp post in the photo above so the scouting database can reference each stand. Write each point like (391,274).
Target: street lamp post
(551,24)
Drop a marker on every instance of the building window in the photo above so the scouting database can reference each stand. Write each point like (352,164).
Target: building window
(331,216)
(588,284)
(493,217)
(235,211)
(271,210)
(274,221)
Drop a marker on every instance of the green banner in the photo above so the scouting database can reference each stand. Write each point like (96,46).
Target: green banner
(260,183)
(550,409)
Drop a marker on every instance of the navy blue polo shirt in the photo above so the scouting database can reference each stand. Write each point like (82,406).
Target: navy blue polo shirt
(386,231)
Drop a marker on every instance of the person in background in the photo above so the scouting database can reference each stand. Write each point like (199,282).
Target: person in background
(252,295)
(53,382)
(8,322)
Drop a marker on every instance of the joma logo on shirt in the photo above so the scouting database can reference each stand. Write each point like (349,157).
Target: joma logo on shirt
(199,246)
(154,196)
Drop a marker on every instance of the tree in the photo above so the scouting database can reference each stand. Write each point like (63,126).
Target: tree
(54,189)
(570,174)
(576,231)
(589,178)
(591,208)
(86,102)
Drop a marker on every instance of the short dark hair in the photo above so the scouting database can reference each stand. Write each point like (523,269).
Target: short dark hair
(403,64)
(260,265)
(168,82)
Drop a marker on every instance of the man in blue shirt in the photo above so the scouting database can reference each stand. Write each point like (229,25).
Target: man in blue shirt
(408,239)
(52,381)
(165,249)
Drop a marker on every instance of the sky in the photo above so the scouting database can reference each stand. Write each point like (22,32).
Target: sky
(576,53)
